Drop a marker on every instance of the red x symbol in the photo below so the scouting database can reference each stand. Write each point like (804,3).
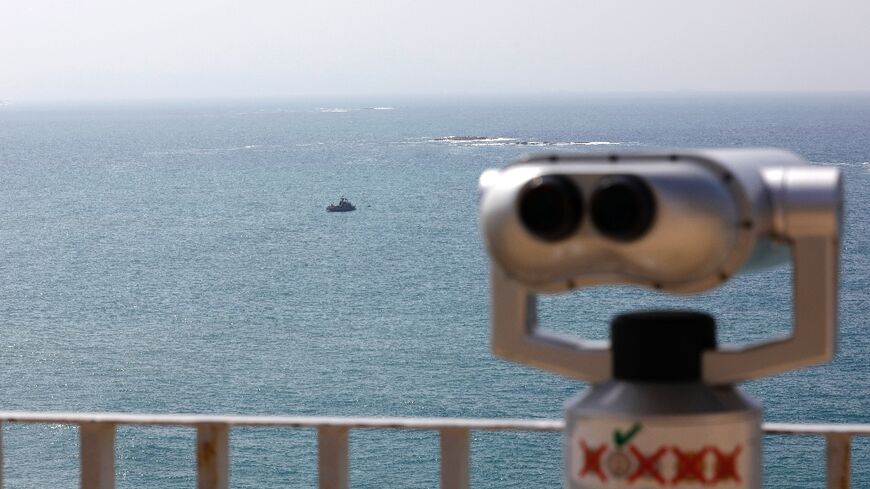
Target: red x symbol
(592,460)
(647,465)
(726,465)
(690,465)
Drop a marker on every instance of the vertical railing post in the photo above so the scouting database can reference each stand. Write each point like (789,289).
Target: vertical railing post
(332,459)
(212,456)
(1,455)
(97,455)
(454,458)
(838,450)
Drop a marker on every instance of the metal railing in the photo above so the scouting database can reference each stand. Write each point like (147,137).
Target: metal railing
(97,447)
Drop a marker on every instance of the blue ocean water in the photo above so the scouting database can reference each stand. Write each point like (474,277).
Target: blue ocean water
(177,258)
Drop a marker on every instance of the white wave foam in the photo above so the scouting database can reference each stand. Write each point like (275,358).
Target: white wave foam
(213,151)
(505,141)
(470,139)
(585,143)
(265,112)
(340,110)
(836,163)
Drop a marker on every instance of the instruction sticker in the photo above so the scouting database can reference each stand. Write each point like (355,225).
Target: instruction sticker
(652,453)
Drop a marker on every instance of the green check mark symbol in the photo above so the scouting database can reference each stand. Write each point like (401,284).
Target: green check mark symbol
(620,438)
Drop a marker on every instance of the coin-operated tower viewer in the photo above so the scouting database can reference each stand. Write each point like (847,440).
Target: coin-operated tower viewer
(662,410)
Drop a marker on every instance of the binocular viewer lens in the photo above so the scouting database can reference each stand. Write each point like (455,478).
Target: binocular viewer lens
(622,207)
(551,207)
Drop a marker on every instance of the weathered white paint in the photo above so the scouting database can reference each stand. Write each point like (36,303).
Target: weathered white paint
(815,429)
(454,458)
(332,457)
(213,456)
(98,441)
(839,454)
(1,454)
(428,424)
(97,455)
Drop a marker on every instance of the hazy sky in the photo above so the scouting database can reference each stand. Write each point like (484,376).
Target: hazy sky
(115,49)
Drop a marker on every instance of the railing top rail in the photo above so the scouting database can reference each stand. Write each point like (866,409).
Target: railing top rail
(816,429)
(286,421)
(433,424)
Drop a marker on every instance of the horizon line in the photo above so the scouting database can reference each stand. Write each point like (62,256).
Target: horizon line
(5,102)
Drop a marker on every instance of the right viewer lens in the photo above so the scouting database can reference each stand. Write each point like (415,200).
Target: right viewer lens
(623,207)
(550,207)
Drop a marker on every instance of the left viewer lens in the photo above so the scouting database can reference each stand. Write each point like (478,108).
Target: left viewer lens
(550,207)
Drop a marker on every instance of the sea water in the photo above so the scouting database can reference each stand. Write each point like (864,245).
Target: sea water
(178,258)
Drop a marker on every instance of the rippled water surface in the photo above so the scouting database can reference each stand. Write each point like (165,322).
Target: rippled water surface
(178,258)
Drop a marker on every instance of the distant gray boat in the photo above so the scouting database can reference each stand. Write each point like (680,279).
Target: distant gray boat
(344,205)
